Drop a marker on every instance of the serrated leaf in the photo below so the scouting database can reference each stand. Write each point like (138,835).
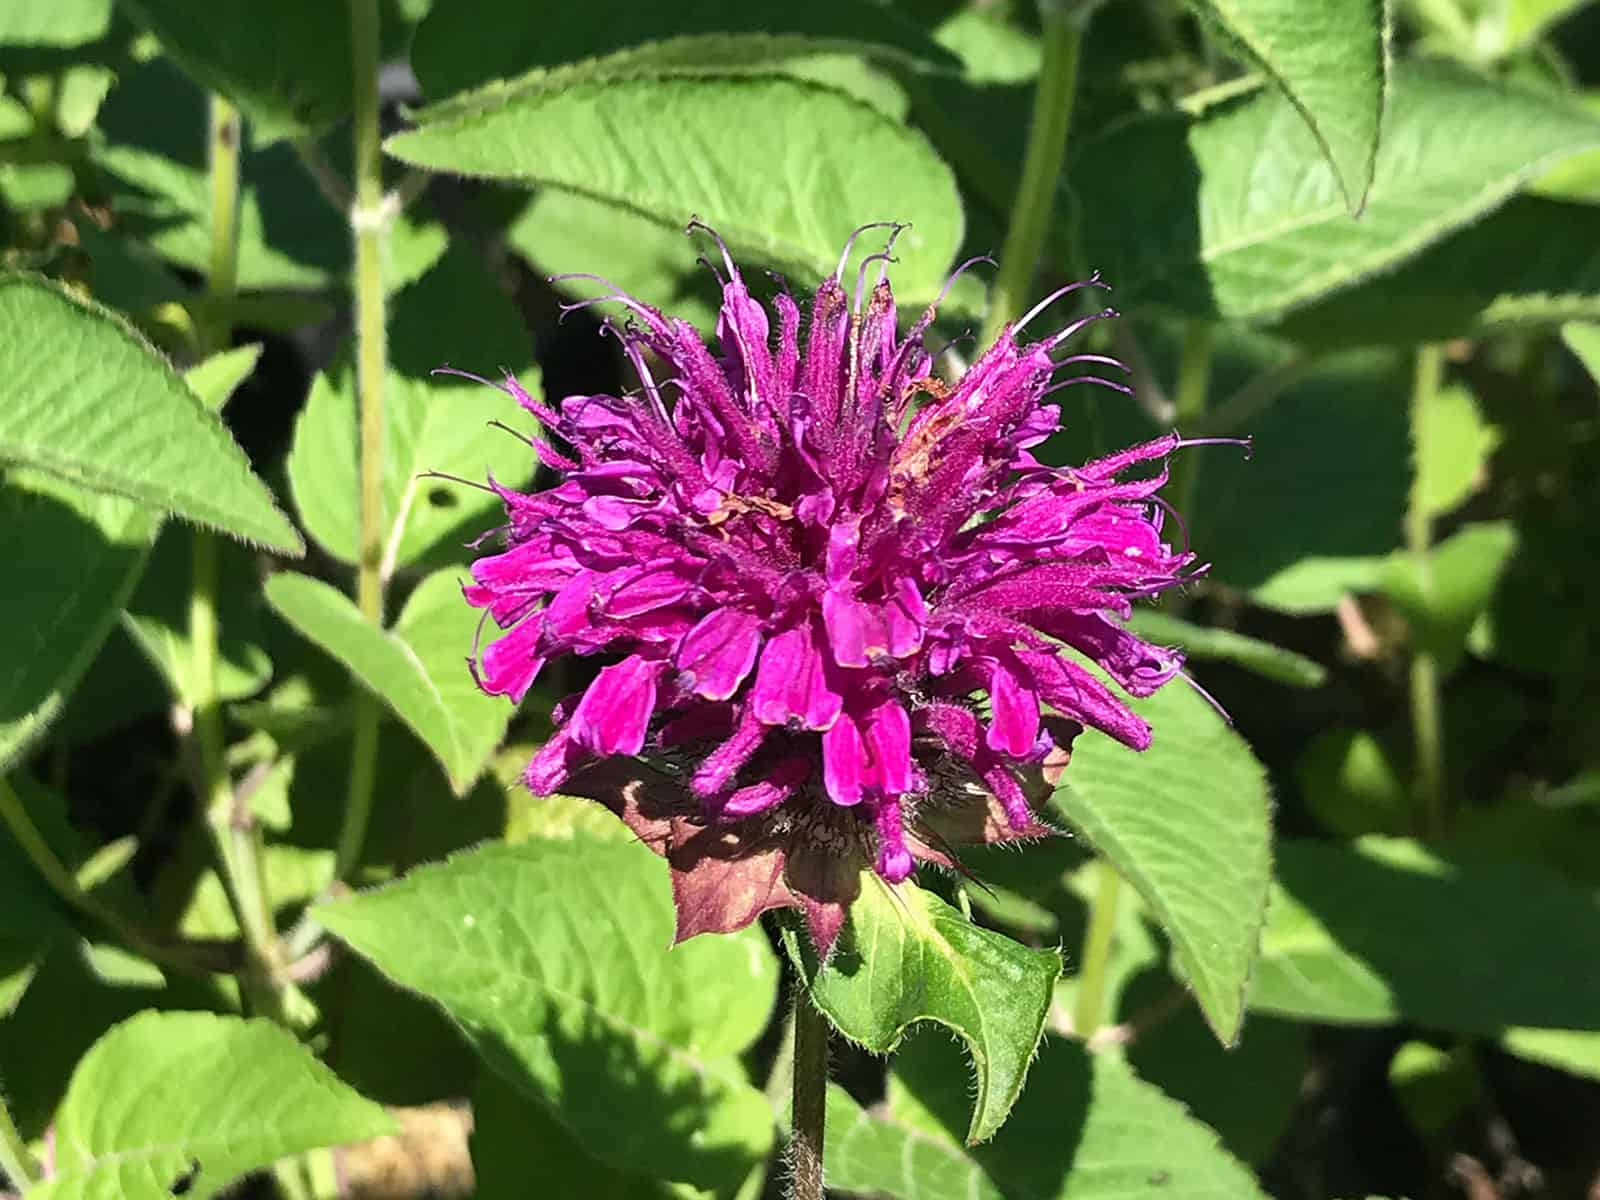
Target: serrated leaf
(1087,1128)
(1331,62)
(879,1155)
(450,52)
(82,555)
(68,23)
(1442,600)
(167,1097)
(1238,217)
(418,668)
(1387,930)
(90,401)
(780,168)
(553,958)
(286,65)
(454,315)
(906,957)
(1187,823)
(1531,264)
(1205,642)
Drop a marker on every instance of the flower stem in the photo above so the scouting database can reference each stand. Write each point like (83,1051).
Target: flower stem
(1090,1008)
(1427,717)
(19,1165)
(1064,22)
(1189,404)
(369,223)
(810,1097)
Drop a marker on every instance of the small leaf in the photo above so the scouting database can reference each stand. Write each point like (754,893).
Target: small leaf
(1387,930)
(906,957)
(1442,601)
(91,402)
(215,379)
(1350,785)
(1187,823)
(553,958)
(782,168)
(1458,447)
(456,315)
(1253,654)
(67,23)
(1574,1051)
(1584,341)
(1331,62)
(1238,216)
(170,1096)
(418,668)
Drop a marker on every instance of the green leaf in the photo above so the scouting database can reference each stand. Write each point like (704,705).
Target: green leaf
(91,402)
(1457,450)
(1442,602)
(418,668)
(1584,341)
(1433,1086)
(1253,654)
(1238,216)
(1386,930)
(553,958)
(33,918)
(67,23)
(1350,785)
(173,1096)
(780,168)
(879,1155)
(1532,263)
(215,379)
(450,52)
(1573,1051)
(81,555)
(286,65)
(1331,62)
(455,314)
(1087,1128)
(905,957)
(1186,822)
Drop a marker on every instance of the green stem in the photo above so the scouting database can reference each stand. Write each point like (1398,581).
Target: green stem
(19,1165)
(1427,717)
(1064,22)
(810,1097)
(370,222)
(1189,404)
(1090,1008)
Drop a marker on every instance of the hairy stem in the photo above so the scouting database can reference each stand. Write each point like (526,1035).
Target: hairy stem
(810,1097)
(1089,1010)
(1427,718)
(1031,212)
(19,1166)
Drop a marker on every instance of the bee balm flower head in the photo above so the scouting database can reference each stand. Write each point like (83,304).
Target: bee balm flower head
(840,603)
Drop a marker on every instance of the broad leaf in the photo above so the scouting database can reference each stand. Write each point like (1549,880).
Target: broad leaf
(553,957)
(1386,930)
(286,65)
(65,23)
(171,1102)
(450,52)
(1331,62)
(1087,1128)
(1206,642)
(91,402)
(1442,601)
(1350,785)
(906,957)
(33,918)
(456,315)
(1238,216)
(781,168)
(875,1155)
(1186,822)
(417,668)
(81,555)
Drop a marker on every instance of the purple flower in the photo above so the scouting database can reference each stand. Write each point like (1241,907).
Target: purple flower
(843,605)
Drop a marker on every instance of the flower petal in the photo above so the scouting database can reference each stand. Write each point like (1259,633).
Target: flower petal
(511,663)
(717,654)
(793,682)
(615,712)
(1014,722)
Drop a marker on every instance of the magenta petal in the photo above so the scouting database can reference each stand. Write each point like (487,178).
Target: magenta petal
(894,859)
(717,654)
(615,712)
(553,763)
(887,735)
(844,761)
(511,663)
(906,616)
(1078,695)
(1014,720)
(792,683)
(856,630)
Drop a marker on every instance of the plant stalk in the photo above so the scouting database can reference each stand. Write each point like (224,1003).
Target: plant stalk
(1427,715)
(1089,1010)
(19,1166)
(1064,22)
(1189,407)
(810,1097)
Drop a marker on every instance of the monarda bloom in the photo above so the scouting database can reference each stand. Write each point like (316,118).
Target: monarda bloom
(840,603)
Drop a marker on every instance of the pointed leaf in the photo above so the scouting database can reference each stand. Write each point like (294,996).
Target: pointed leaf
(454,315)
(418,668)
(215,379)
(780,168)
(90,401)
(1331,62)
(553,956)
(879,1155)
(171,1102)
(1238,216)
(1187,823)
(1442,601)
(906,957)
